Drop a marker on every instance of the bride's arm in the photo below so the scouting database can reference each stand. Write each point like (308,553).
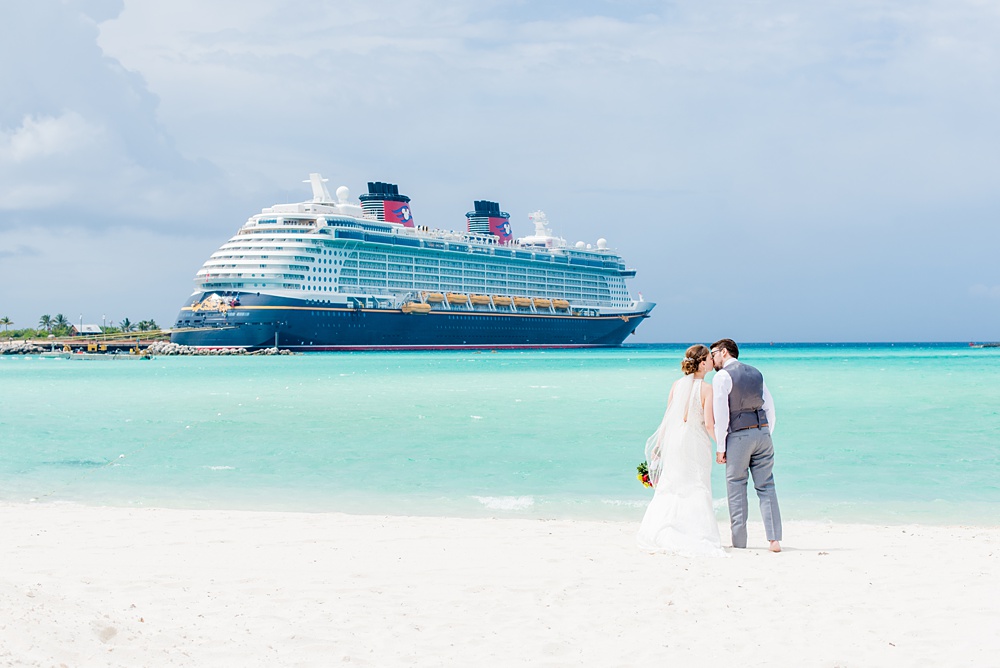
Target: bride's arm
(706,404)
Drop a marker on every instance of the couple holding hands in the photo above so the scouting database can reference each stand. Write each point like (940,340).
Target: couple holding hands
(738,411)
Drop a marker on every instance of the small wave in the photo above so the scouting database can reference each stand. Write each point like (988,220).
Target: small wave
(476,417)
(506,502)
(78,463)
(221,468)
(626,503)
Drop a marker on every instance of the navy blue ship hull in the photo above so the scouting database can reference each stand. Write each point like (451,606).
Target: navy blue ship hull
(265,321)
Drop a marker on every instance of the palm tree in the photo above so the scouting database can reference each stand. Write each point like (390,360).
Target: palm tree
(143,326)
(6,322)
(60,325)
(45,322)
(125,325)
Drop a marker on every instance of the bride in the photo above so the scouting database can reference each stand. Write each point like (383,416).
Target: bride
(680,518)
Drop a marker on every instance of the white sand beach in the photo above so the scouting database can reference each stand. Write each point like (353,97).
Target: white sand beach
(83,586)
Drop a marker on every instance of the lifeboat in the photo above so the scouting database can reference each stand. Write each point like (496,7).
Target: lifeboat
(416,307)
(523,302)
(457,298)
(481,300)
(500,300)
(543,303)
(434,297)
(561,304)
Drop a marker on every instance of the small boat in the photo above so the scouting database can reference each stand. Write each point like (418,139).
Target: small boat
(542,303)
(457,298)
(561,304)
(500,300)
(109,357)
(522,302)
(416,307)
(481,300)
(434,297)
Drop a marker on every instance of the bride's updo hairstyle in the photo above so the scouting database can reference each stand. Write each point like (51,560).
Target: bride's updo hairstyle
(693,358)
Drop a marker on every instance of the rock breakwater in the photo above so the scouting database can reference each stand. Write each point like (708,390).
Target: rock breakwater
(167,348)
(21,348)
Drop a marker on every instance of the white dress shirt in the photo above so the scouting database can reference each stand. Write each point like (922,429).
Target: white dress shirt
(722,385)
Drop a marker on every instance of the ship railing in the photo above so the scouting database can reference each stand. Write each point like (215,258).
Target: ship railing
(448,235)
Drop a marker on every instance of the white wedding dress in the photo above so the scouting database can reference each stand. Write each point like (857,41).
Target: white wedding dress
(680,519)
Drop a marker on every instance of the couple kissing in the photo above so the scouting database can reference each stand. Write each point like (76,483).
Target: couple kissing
(737,410)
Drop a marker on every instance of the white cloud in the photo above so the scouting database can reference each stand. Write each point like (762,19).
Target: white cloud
(46,136)
(80,141)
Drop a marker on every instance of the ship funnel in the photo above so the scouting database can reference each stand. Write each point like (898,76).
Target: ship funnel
(383,202)
(489,219)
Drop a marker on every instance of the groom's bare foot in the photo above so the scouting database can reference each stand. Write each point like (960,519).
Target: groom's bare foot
(775,546)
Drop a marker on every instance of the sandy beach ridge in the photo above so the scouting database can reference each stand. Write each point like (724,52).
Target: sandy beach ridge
(85,586)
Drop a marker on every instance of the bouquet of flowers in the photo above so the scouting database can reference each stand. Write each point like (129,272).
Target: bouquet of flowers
(643,474)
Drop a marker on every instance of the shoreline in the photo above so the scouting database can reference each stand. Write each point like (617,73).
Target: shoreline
(86,585)
(531,508)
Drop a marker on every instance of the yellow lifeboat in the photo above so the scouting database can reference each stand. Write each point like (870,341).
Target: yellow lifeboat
(457,298)
(523,302)
(434,297)
(481,300)
(416,308)
(543,303)
(500,300)
(561,304)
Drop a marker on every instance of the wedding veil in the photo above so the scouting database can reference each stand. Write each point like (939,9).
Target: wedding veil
(670,428)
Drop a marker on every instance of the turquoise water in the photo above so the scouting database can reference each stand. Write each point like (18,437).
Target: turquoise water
(874,433)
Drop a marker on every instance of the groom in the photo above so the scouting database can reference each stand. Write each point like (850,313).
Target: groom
(744,420)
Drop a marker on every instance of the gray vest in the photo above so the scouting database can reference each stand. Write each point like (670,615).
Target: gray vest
(747,397)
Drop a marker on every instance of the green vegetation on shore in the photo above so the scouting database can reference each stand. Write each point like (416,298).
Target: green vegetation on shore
(60,327)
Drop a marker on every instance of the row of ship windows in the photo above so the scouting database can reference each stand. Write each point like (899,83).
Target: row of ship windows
(409,283)
(382,275)
(478,286)
(588,296)
(312,247)
(395,278)
(381,261)
(396,266)
(405,258)
(592,280)
(449,268)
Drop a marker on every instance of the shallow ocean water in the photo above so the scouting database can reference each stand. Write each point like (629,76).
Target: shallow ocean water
(870,433)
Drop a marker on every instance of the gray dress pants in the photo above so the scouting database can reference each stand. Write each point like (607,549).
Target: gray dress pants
(751,451)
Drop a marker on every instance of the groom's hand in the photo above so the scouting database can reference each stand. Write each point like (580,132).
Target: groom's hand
(720,457)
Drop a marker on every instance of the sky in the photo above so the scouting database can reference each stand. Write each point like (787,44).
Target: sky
(773,170)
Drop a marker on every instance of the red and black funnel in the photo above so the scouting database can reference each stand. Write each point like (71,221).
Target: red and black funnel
(383,202)
(489,219)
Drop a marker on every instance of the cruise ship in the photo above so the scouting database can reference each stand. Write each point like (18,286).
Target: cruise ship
(340,274)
